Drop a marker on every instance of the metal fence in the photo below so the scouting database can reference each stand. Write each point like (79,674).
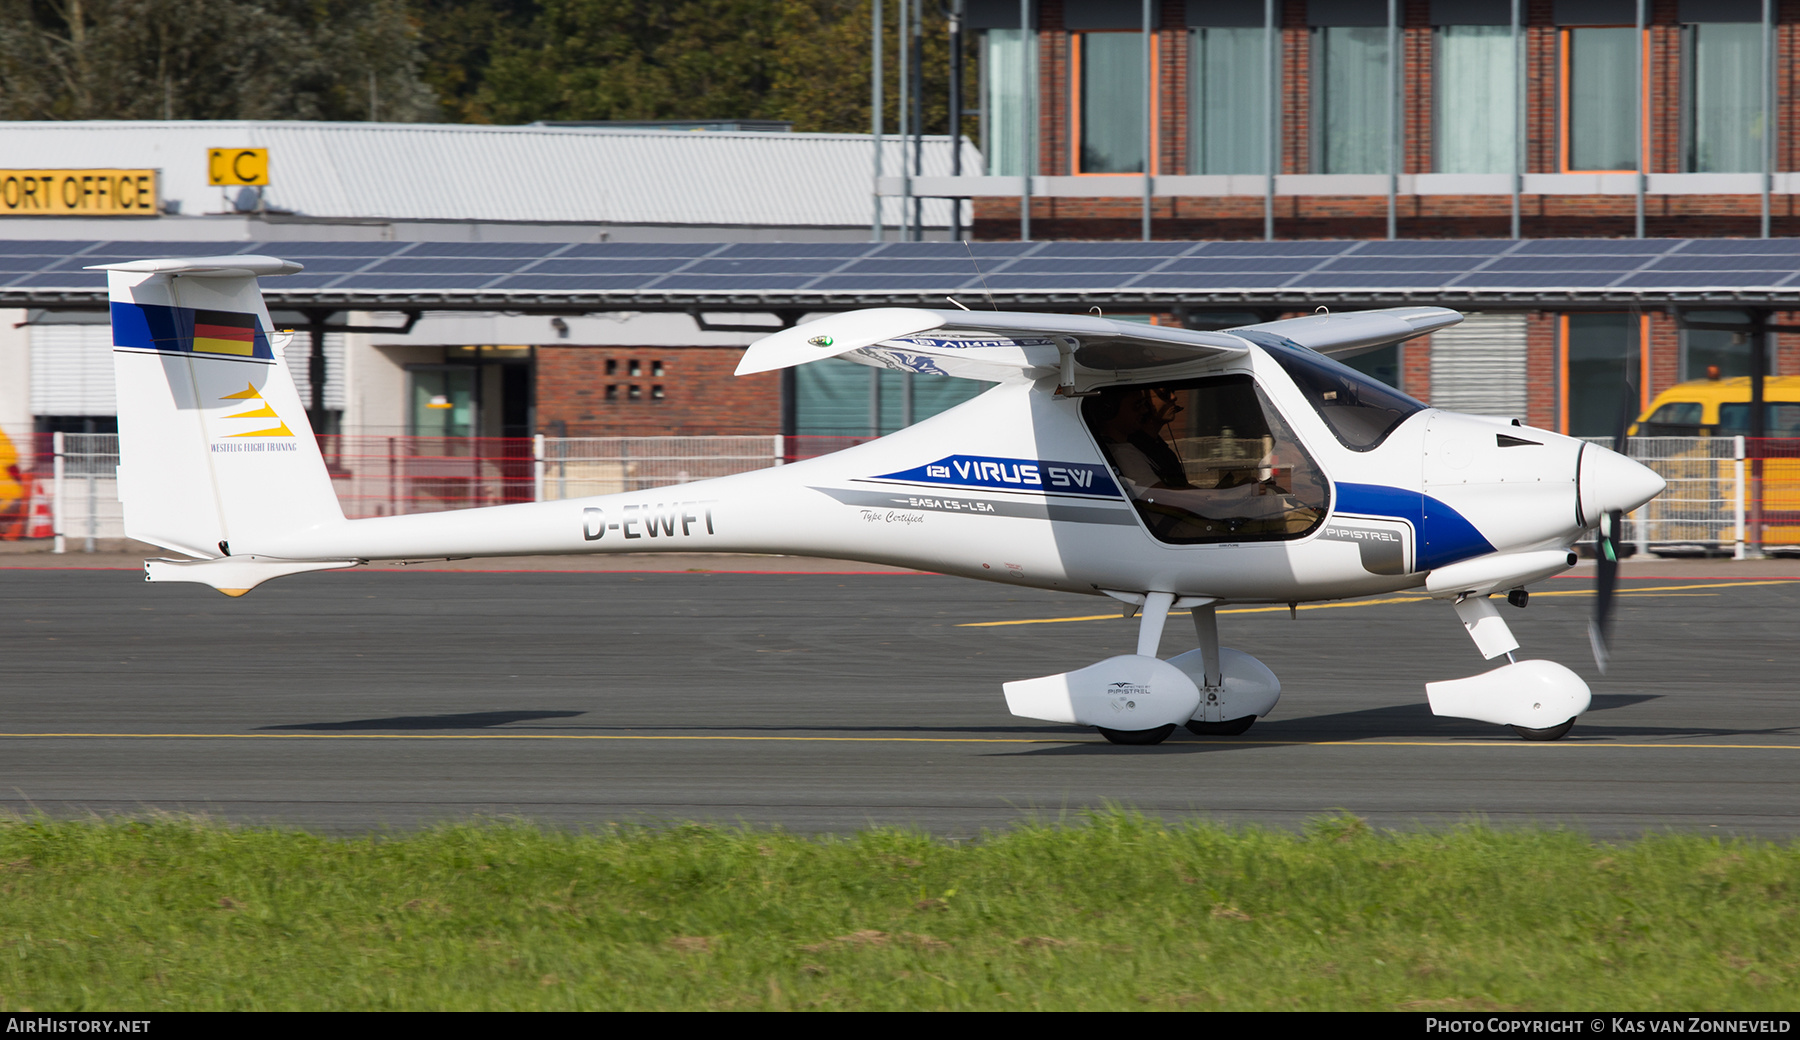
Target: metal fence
(1726,495)
(69,482)
(68,490)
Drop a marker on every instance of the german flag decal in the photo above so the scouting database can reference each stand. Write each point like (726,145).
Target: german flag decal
(222,332)
(150,326)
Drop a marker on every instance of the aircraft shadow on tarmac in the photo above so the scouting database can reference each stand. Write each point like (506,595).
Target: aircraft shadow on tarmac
(1394,722)
(1403,722)
(466,720)
(500,719)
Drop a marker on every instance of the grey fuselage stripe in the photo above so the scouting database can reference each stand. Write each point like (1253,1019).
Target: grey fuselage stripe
(1032,510)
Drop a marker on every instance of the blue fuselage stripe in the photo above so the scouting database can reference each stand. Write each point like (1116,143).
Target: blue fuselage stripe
(152,326)
(1442,534)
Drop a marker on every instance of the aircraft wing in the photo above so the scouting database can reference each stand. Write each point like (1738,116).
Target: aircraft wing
(990,345)
(1356,332)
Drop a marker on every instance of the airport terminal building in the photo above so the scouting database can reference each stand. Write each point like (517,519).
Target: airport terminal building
(408,207)
(592,281)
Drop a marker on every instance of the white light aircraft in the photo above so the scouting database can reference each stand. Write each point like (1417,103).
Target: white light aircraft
(1168,469)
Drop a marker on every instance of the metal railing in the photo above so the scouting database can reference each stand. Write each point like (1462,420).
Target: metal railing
(1726,495)
(69,481)
(69,490)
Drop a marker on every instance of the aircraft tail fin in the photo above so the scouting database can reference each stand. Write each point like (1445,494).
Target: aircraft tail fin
(214,444)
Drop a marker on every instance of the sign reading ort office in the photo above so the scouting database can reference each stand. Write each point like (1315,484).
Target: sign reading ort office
(78,193)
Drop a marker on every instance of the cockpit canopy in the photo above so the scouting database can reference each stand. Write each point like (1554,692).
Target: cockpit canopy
(1208,460)
(1361,411)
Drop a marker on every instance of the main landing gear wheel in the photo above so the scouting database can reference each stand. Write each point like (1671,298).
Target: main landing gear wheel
(1137,736)
(1548,733)
(1228,728)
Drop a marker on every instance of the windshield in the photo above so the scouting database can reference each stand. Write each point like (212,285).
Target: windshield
(1360,411)
(1779,419)
(1208,460)
(1677,419)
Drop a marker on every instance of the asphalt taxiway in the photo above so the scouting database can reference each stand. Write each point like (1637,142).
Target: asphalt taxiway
(829,701)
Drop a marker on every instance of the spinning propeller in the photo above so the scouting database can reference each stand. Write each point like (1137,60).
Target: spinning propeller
(1606,549)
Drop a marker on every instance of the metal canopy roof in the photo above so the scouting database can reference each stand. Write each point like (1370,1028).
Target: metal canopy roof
(555,277)
(390,172)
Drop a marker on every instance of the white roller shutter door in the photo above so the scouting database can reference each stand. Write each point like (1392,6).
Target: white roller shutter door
(72,370)
(1478,366)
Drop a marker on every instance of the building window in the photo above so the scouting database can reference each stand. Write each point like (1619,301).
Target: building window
(1109,104)
(1600,99)
(636,368)
(635,392)
(1721,98)
(1603,372)
(612,366)
(656,369)
(841,398)
(1351,106)
(443,401)
(656,392)
(1477,95)
(1008,81)
(1715,353)
(612,390)
(1228,118)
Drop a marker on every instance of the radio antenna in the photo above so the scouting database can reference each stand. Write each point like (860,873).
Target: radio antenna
(984,285)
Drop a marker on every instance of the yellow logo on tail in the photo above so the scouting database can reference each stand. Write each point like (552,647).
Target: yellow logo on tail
(250,393)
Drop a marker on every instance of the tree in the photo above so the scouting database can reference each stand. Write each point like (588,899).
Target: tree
(209,59)
(458,40)
(804,61)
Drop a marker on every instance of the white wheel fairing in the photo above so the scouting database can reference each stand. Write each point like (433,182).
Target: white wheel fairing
(1530,694)
(1128,692)
(1248,686)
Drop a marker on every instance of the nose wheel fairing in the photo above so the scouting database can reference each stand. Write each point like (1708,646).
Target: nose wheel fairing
(1530,695)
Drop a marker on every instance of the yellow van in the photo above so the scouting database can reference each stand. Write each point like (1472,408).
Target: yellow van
(1721,408)
(1702,484)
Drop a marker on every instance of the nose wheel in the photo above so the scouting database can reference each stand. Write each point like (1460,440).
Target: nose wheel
(1228,728)
(1139,737)
(1547,733)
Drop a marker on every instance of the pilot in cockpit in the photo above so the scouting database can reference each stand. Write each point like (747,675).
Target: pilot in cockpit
(1136,433)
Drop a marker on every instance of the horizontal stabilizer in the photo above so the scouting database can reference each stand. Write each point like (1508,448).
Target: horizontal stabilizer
(206,266)
(1356,332)
(991,345)
(236,575)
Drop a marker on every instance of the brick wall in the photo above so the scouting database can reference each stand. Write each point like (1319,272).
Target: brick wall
(1415,368)
(1665,354)
(1424,216)
(1419,216)
(699,394)
(1543,370)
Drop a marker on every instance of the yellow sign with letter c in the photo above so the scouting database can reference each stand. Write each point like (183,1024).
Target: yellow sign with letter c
(235,167)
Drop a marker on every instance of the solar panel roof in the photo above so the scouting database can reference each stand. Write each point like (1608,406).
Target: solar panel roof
(527,276)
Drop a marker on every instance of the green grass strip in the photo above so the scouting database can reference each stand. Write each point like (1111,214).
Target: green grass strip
(1115,912)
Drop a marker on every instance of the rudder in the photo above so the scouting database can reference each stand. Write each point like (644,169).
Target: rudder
(215,449)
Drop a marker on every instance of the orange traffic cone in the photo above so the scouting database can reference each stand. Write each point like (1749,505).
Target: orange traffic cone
(40,521)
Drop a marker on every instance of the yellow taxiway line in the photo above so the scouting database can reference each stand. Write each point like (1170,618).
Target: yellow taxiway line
(1671,589)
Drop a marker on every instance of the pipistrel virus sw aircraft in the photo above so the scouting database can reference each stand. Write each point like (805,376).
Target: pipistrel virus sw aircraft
(1165,468)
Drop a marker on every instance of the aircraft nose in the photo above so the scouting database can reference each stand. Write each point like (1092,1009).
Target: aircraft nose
(1609,481)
